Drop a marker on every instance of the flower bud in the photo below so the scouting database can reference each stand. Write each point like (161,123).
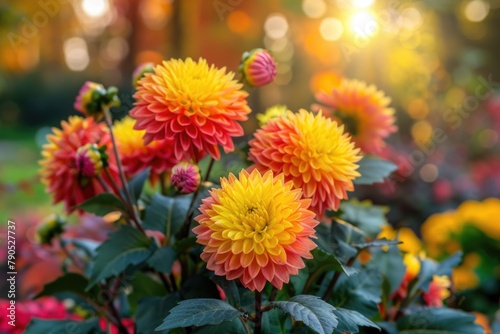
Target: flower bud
(88,101)
(49,228)
(258,68)
(185,177)
(141,71)
(89,161)
(270,113)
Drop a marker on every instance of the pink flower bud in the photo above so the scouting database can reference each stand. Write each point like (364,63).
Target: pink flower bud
(88,99)
(185,177)
(258,67)
(89,161)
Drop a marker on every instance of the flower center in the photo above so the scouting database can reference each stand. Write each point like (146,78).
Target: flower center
(350,122)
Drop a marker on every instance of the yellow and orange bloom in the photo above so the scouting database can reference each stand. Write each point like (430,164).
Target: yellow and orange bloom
(185,177)
(313,152)
(60,171)
(439,290)
(194,105)
(258,68)
(136,156)
(364,111)
(256,228)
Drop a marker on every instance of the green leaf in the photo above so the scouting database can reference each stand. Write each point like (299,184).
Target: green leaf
(388,327)
(150,312)
(143,285)
(338,239)
(363,214)
(312,311)
(272,322)
(162,259)
(69,282)
(373,170)
(88,246)
(439,321)
(390,264)
(350,321)
(166,214)
(125,247)
(229,288)
(360,292)
(199,312)
(102,204)
(37,326)
(376,243)
(136,184)
(234,326)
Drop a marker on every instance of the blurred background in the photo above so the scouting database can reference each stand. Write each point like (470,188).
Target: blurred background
(437,60)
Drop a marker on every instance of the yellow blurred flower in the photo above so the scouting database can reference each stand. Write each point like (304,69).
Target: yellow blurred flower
(410,242)
(270,113)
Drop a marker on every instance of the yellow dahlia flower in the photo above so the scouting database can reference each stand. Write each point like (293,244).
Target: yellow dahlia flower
(364,111)
(313,152)
(270,113)
(195,105)
(256,228)
(137,156)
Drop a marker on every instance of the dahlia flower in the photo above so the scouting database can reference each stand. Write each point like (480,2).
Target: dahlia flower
(185,177)
(313,152)
(258,68)
(135,155)
(439,289)
(364,111)
(89,160)
(60,171)
(256,228)
(194,105)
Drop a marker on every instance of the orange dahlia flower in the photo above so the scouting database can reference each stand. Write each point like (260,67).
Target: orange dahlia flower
(195,105)
(61,172)
(137,156)
(313,152)
(364,111)
(256,228)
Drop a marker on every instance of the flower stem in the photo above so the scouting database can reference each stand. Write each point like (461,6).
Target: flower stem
(258,313)
(189,214)
(336,277)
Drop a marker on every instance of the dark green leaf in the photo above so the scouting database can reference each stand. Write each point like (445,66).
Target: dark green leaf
(183,245)
(151,311)
(376,243)
(373,170)
(162,259)
(125,247)
(143,285)
(70,282)
(136,184)
(312,311)
(272,322)
(390,264)
(339,239)
(199,312)
(388,327)
(446,266)
(439,321)
(37,326)
(350,321)
(234,326)
(299,281)
(367,217)
(230,289)
(360,292)
(88,246)
(166,214)
(102,204)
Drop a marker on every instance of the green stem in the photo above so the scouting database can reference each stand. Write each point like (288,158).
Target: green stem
(336,277)
(189,214)
(163,186)
(245,324)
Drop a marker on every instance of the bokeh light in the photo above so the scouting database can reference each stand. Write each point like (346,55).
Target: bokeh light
(429,173)
(276,26)
(331,29)
(364,24)
(363,3)
(76,54)
(95,8)
(476,10)
(314,8)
